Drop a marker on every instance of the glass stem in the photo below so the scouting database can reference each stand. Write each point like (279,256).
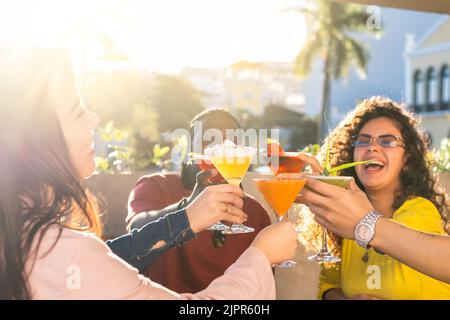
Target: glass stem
(324,240)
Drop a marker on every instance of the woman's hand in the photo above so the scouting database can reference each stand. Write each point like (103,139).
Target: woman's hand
(337,209)
(277,241)
(214,204)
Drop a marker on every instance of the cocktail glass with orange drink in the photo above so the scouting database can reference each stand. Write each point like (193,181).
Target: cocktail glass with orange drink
(280,193)
(232,162)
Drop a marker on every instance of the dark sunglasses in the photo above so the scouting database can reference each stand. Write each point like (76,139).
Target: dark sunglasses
(384,141)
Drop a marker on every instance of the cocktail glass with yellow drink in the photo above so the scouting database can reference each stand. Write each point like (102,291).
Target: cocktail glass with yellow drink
(232,162)
(280,193)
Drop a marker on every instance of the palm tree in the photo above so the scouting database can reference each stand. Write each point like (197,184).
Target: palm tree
(330,24)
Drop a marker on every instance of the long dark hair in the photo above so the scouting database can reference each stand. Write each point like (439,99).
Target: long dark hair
(416,178)
(39,186)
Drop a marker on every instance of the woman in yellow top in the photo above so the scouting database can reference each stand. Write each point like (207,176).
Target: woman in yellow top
(400,186)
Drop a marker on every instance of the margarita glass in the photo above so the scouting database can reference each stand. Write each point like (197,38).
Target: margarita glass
(232,162)
(324,254)
(280,193)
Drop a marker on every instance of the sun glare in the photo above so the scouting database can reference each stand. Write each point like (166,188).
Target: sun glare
(159,35)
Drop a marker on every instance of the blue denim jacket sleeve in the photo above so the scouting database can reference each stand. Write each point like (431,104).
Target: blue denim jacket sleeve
(136,247)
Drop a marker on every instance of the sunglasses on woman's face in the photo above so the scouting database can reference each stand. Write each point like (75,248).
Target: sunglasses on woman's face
(384,141)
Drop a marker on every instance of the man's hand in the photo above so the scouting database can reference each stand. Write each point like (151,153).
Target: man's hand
(202,181)
(214,204)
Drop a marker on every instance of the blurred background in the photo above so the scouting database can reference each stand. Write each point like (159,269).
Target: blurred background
(147,67)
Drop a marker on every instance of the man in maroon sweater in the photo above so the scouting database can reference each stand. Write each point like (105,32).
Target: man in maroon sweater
(192,266)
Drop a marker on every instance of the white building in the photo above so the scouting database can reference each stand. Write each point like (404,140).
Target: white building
(253,86)
(427,78)
(210,82)
(249,86)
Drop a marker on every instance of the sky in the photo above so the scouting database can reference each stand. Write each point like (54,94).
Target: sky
(164,35)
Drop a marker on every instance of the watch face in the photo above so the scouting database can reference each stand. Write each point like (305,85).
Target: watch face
(364,232)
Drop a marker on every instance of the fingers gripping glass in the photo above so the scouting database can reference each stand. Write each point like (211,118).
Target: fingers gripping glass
(384,141)
(203,163)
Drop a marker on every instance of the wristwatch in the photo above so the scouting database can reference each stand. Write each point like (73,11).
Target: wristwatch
(365,229)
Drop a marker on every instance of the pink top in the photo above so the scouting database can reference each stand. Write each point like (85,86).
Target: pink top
(81,266)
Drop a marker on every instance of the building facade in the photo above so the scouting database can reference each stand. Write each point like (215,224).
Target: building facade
(427,78)
(386,72)
(248,86)
(253,86)
(210,83)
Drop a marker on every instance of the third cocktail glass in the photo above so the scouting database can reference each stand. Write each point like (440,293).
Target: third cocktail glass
(324,254)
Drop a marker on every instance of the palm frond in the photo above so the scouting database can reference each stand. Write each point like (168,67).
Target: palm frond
(331,23)
(358,21)
(359,54)
(340,58)
(306,8)
(354,21)
(305,59)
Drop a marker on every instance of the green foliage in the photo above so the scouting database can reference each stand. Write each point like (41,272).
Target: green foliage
(159,154)
(144,106)
(176,101)
(312,149)
(304,134)
(122,157)
(441,157)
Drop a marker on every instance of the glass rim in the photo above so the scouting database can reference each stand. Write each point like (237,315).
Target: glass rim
(282,176)
(322,177)
(285,153)
(225,152)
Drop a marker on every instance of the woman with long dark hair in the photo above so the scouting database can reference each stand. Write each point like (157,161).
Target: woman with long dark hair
(49,244)
(400,187)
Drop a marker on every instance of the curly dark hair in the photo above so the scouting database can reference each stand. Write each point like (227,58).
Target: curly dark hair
(416,178)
